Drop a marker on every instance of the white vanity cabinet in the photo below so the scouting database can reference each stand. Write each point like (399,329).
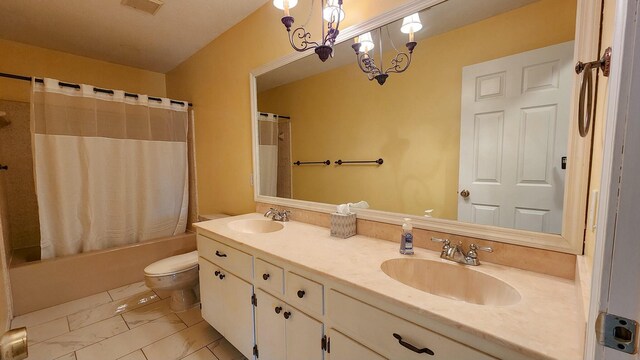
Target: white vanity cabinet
(283,309)
(225,297)
(284,332)
(344,348)
(391,336)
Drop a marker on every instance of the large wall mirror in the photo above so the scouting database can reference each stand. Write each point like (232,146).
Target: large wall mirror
(476,131)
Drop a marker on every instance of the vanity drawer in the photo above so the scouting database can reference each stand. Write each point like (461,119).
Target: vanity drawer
(304,293)
(375,329)
(228,258)
(269,277)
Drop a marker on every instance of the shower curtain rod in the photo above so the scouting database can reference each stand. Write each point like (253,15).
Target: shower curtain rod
(76,86)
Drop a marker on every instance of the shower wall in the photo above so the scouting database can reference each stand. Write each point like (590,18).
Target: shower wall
(22,207)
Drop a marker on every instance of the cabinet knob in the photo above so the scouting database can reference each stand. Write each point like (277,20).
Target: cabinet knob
(221,276)
(216,273)
(287,314)
(265,276)
(301,293)
(278,309)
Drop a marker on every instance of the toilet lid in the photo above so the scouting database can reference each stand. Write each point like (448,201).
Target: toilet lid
(173,264)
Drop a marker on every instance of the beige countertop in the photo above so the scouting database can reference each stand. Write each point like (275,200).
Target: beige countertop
(547,323)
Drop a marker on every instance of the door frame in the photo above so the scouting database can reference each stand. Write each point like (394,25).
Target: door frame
(624,73)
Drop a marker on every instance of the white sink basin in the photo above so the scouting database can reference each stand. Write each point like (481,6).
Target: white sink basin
(453,281)
(255,226)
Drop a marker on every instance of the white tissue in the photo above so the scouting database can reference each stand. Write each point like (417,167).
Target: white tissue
(345,209)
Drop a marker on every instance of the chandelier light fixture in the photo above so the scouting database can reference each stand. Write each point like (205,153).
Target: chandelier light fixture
(300,38)
(400,63)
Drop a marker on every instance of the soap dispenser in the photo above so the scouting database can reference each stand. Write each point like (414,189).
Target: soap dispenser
(406,241)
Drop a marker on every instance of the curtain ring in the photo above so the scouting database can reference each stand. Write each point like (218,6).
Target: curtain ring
(586,88)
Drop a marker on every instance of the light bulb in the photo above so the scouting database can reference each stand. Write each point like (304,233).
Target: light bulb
(366,42)
(331,10)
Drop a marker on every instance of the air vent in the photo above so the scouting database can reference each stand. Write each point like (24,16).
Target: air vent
(148,6)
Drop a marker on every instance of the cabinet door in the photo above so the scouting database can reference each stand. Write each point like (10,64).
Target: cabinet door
(270,332)
(226,305)
(303,336)
(237,310)
(211,294)
(344,348)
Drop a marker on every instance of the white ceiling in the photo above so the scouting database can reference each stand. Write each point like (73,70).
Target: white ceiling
(444,17)
(107,30)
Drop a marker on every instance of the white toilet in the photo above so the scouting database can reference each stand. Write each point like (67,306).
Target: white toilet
(178,274)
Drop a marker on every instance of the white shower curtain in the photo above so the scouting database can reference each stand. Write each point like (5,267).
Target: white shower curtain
(268,153)
(110,169)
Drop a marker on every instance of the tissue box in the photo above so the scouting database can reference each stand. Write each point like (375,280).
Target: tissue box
(343,226)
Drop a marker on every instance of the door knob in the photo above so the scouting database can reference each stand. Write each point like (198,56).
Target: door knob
(465,193)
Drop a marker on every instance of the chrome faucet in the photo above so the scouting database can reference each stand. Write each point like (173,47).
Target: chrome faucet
(457,254)
(277,215)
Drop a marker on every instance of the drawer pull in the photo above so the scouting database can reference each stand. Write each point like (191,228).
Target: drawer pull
(287,314)
(278,309)
(411,347)
(219,254)
(221,276)
(301,293)
(265,276)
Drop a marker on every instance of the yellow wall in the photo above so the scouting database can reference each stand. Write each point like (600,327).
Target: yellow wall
(22,59)
(216,80)
(413,121)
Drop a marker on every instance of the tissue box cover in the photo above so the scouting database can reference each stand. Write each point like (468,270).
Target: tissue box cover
(343,226)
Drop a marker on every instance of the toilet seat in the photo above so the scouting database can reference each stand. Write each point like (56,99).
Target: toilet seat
(173,265)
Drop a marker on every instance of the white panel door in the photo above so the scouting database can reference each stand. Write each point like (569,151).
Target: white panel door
(237,311)
(211,294)
(270,331)
(514,133)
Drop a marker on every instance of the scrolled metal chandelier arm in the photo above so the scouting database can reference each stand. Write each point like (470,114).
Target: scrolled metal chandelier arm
(299,38)
(302,35)
(400,63)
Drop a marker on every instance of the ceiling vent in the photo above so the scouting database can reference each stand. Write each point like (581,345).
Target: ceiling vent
(148,6)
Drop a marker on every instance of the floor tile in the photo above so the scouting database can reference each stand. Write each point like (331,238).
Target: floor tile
(48,330)
(202,354)
(137,338)
(191,316)
(223,350)
(136,355)
(105,311)
(128,290)
(58,311)
(78,339)
(182,343)
(144,314)
(71,356)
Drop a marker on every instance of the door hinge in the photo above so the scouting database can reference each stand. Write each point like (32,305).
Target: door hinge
(325,343)
(254,300)
(617,332)
(255,350)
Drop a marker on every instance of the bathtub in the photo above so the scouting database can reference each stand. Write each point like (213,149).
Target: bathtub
(40,284)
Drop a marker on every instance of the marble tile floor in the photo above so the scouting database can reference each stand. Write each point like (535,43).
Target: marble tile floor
(130,323)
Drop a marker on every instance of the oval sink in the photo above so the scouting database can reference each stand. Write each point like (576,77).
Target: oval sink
(452,281)
(255,226)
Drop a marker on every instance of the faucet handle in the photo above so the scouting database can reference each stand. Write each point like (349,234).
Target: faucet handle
(445,242)
(285,215)
(474,247)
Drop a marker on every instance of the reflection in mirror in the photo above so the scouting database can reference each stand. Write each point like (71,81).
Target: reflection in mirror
(475,130)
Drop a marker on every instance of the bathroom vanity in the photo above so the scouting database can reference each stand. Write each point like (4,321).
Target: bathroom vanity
(290,291)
